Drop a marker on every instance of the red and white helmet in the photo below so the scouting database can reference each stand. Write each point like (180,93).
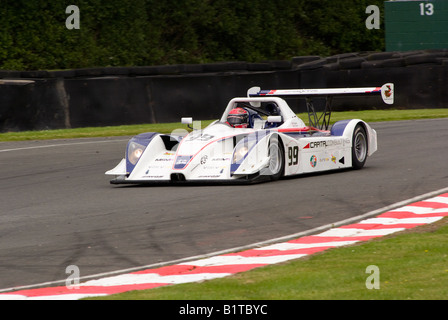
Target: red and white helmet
(238,118)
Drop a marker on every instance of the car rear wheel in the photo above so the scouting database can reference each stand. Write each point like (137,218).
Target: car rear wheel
(359,147)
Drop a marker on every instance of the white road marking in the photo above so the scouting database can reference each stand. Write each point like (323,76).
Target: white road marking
(61,145)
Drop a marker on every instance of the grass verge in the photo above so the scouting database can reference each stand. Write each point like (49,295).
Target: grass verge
(130,130)
(412,264)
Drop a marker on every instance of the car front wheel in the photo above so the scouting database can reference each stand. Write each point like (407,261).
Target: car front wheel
(276,154)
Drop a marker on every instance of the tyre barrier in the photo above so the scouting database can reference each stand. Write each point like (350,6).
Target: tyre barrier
(153,94)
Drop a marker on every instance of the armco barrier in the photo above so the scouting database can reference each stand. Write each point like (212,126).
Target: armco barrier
(151,94)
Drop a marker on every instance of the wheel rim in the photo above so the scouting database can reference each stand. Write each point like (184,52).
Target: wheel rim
(360,147)
(274,158)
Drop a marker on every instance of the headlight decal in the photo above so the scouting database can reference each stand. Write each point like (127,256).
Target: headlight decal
(135,149)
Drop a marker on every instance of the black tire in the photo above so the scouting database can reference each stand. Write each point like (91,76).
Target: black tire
(359,147)
(276,153)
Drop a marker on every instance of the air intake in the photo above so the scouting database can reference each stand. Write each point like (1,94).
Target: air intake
(175,177)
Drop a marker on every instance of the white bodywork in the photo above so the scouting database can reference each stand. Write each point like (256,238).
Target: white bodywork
(220,152)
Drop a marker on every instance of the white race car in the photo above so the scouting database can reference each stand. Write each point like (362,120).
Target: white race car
(258,138)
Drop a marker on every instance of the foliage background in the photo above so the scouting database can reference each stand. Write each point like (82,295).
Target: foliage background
(33,35)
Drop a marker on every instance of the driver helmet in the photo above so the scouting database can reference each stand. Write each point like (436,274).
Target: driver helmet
(238,118)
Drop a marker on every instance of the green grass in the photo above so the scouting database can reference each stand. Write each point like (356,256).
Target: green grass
(389,115)
(412,265)
(90,132)
(129,130)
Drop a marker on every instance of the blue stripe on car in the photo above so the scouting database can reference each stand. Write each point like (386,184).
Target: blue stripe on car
(338,128)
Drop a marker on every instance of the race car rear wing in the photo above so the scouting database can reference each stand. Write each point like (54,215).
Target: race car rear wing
(322,122)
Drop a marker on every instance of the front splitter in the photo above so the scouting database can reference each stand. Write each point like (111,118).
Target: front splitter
(218,182)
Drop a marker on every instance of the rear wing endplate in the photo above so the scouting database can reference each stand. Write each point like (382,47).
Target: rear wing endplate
(322,122)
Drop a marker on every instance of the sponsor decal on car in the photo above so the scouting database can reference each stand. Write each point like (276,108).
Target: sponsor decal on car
(324,144)
(313,161)
(181,161)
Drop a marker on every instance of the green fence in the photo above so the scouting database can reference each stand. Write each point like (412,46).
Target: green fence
(414,25)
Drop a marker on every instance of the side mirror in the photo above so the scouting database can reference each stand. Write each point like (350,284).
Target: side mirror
(275,119)
(186,120)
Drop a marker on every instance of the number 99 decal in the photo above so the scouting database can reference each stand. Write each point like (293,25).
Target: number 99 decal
(293,156)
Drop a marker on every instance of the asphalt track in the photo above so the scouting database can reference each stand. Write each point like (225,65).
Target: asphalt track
(58,208)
